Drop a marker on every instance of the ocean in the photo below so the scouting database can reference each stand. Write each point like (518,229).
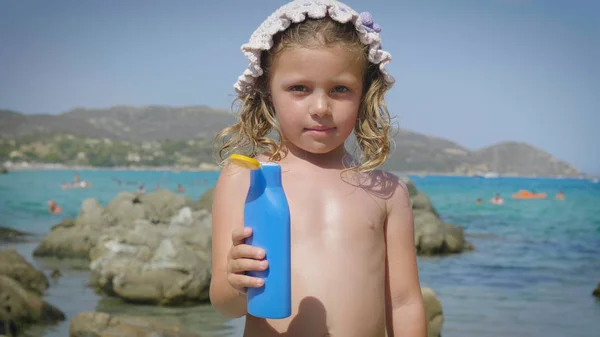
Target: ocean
(534,267)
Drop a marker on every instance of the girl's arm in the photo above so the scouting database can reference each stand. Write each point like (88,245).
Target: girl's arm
(405,312)
(227,214)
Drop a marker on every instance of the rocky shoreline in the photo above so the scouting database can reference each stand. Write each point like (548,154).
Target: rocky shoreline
(9,166)
(155,249)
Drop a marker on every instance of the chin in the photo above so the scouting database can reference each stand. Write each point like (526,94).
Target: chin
(318,148)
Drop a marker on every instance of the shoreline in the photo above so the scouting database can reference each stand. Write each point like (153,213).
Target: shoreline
(209,167)
(62,167)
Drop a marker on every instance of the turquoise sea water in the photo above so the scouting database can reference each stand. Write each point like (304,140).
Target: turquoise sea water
(534,267)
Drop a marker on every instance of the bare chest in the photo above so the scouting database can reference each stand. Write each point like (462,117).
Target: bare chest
(327,210)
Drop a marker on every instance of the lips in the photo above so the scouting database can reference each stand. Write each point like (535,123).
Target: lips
(320,128)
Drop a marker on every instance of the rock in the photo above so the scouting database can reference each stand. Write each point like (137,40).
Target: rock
(76,238)
(455,239)
(66,223)
(13,235)
(412,189)
(92,215)
(100,324)
(421,202)
(206,200)
(20,287)
(125,208)
(432,235)
(162,205)
(435,237)
(23,307)
(8,328)
(55,274)
(74,242)
(16,267)
(3,170)
(433,312)
(165,263)
(597,291)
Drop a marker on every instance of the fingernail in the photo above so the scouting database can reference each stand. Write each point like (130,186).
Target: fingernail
(260,282)
(263,264)
(261,254)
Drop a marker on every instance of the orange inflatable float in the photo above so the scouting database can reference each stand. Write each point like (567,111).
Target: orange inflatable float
(524,194)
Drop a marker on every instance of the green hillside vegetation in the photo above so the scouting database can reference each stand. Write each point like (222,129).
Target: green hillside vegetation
(74,150)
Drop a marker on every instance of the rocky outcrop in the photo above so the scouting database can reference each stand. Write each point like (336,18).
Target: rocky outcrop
(206,200)
(166,264)
(152,248)
(13,235)
(75,238)
(432,235)
(13,265)
(20,288)
(433,312)
(100,324)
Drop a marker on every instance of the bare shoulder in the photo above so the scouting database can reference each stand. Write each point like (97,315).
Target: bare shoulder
(387,186)
(232,185)
(233,178)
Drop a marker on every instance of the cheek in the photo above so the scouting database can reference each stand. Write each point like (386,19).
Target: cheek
(286,111)
(347,118)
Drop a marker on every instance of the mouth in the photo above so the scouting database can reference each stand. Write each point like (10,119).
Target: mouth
(320,128)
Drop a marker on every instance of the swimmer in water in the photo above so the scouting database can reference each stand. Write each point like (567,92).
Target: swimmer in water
(53,207)
(497,200)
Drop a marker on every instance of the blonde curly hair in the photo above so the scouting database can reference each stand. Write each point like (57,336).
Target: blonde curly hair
(251,135)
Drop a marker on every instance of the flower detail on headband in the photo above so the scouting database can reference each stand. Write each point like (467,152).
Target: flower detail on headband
(298,11)
(368,23)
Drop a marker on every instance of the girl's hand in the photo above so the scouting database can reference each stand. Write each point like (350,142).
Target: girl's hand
(242,258)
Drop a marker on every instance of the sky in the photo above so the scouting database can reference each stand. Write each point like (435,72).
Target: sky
(477,72)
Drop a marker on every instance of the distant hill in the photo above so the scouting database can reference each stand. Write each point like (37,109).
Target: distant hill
(516,158)
(413,152)
(121,123)
(14,124)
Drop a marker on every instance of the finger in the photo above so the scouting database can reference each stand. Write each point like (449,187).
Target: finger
(243,265)
(244,251)
(239,234)
(244,281)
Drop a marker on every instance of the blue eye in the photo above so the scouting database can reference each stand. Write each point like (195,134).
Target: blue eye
(340,89)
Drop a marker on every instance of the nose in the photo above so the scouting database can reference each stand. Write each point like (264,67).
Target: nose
(320,106)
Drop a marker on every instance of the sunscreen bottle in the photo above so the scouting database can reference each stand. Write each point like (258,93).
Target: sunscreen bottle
(266,211)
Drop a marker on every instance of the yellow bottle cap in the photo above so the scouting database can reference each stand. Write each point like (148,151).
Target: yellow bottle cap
(244,161)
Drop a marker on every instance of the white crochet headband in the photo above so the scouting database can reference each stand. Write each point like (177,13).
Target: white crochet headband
(298,11)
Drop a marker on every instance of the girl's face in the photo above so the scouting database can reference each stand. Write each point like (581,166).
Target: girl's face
(316,93)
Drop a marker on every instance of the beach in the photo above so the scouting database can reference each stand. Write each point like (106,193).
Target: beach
(534,265)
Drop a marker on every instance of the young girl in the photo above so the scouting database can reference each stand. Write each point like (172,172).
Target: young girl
(317,73)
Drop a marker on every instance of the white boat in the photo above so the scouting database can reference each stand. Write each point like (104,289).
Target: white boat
(487,175)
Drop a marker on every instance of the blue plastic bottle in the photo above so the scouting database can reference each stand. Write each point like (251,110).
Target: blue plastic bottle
(267,212)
